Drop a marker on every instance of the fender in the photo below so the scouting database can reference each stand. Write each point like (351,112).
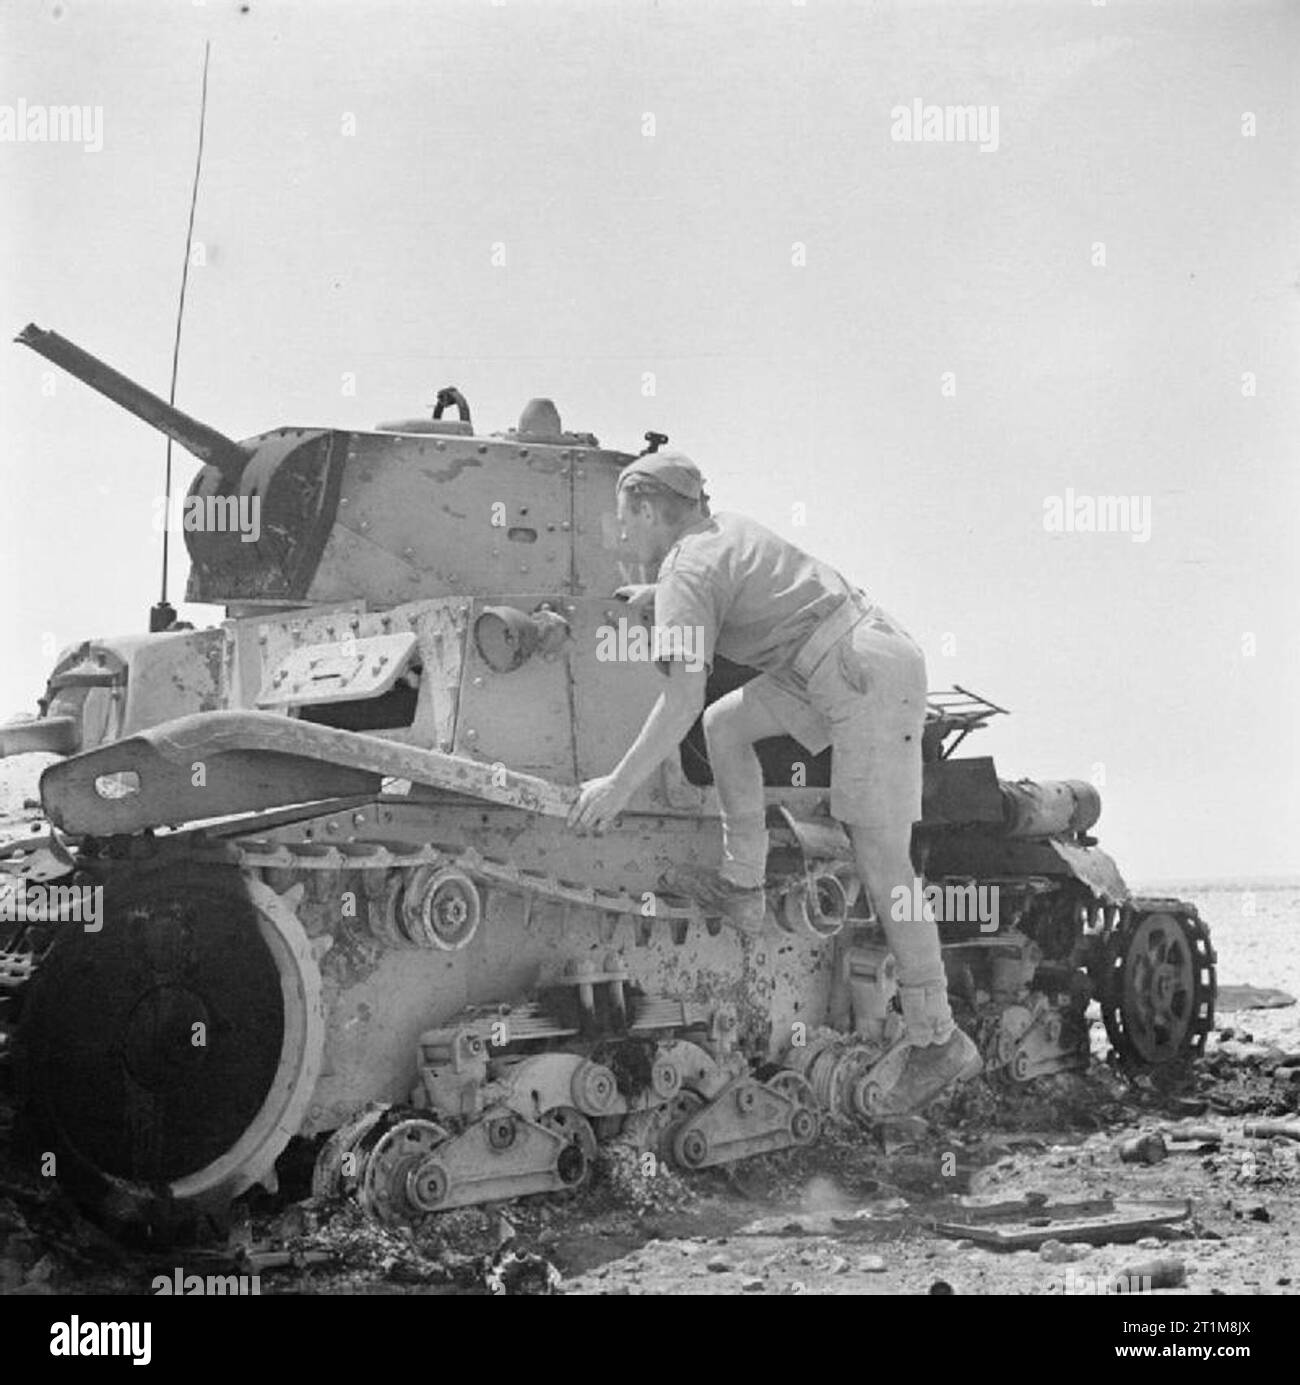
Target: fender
(254,760)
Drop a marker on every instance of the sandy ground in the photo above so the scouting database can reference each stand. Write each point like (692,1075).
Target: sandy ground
(20,785)
(854,1215)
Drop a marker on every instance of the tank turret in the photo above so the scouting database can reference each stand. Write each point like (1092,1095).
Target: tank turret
(416,508)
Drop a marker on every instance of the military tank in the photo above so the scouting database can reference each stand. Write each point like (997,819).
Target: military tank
(337,902)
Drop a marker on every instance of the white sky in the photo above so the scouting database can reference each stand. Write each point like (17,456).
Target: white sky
(820,384)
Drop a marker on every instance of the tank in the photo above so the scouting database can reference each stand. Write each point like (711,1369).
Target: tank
(304,878)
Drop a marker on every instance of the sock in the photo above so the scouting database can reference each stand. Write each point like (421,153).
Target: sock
(744,850)
(926,1014)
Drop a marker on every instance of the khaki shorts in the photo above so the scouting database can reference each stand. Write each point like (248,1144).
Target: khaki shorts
(866,700)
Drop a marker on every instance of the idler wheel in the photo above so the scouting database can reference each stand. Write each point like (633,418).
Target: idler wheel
(426,1185)
(867,1098)
(652,1132)
(691,1148)
(441,909)
(397,1167)
(169,1057)
(803,1126)
(593,1088)
(805,1120)
(665,1078)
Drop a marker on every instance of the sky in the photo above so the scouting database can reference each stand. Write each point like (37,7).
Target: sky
(905,355)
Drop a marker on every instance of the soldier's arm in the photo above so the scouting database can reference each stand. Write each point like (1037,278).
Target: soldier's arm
(638,595)
(601,800)
(672,716)
(687,620)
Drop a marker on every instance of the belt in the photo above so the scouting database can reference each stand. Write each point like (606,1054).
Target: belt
(854,608)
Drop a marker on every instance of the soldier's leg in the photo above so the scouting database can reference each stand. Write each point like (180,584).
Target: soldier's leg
(732,725)
(884,862)
(871,689)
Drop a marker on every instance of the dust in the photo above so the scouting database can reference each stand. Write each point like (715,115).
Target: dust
(823,1194)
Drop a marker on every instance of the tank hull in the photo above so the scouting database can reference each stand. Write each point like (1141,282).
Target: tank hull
(306,875)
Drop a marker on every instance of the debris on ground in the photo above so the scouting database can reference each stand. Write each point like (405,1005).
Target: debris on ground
(1231,999)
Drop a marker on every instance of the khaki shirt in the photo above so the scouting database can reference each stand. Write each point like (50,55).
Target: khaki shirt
(741,591)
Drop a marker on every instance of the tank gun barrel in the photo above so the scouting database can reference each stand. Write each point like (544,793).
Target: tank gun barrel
(203,442)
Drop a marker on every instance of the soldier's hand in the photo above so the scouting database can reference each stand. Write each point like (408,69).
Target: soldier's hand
(640,596)
(599,803)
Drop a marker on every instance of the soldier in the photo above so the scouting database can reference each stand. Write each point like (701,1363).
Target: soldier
(834,669)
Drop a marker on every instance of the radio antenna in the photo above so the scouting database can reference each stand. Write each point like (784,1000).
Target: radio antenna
(163,614)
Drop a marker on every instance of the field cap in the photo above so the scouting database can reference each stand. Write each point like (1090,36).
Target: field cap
(673,470)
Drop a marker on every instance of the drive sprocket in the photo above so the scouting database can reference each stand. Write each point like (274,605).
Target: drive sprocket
(1158,982)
